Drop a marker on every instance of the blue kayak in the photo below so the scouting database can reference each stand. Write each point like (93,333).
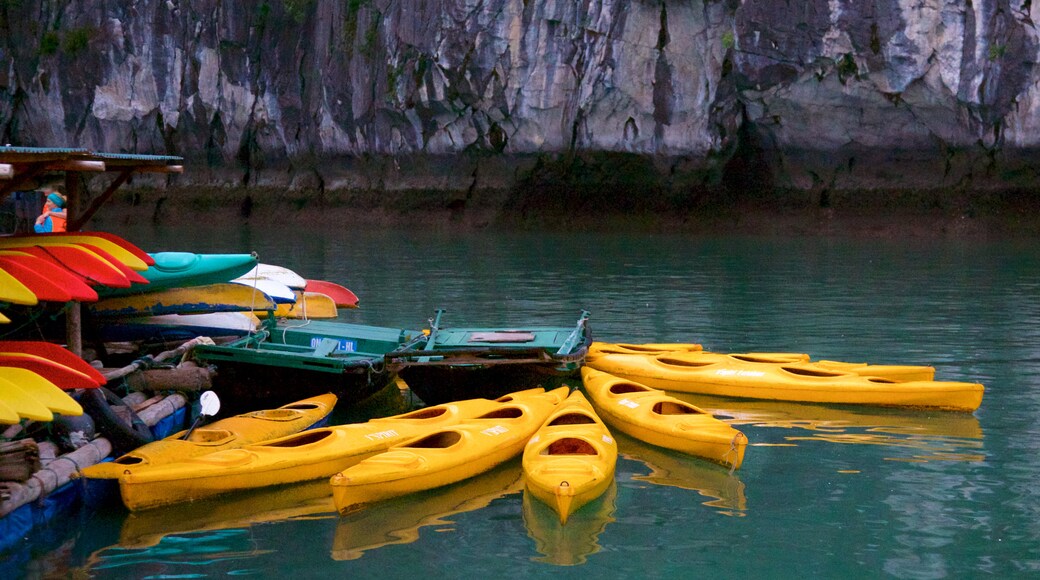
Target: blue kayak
(185,269)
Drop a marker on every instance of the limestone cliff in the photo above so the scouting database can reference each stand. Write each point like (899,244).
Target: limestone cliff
(673,100)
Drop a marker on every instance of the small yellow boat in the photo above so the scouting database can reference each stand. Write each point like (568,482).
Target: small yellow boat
(229,433)
(751,377)
(570,461)
(445,456)
(656,418)
(313,454)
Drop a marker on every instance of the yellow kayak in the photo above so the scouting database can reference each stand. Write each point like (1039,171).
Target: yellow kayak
(224,297)
(21,403)
(754,378)
(570,461)
(229,433)
(13,291)
(314,454)
(695,359)
(43,390)
(445,456)
(117,251)
(308,305)
(656,418)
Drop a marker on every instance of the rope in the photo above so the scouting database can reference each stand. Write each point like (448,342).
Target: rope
(732,451)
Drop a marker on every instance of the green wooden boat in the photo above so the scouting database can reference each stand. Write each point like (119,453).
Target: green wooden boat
(451,364)
(283,362)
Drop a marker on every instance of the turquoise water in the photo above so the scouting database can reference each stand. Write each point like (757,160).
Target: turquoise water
(823,491)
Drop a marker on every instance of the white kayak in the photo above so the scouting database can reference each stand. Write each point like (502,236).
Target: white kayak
(275,274)
(277,291)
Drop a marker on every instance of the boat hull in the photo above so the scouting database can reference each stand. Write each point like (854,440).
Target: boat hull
(458,363)
(221,297)
(322,356)
(441,384)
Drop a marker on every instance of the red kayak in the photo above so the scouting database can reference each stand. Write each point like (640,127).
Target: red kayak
(64,377)
(73,284)
(143,255)
(130,274)
(54,352)
(38,284)
(343,297)
(89,266)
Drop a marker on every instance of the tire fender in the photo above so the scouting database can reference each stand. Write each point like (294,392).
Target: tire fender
(99,403)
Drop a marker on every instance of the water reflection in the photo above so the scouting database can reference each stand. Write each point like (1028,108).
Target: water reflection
(724,490)
(572,543)
(176,553)
(928,436)
(147,528)
(399,520)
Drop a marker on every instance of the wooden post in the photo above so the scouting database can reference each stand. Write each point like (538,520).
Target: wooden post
(74,313)
(74,328)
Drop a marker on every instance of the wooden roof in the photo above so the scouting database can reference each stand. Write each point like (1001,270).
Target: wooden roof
(21,165)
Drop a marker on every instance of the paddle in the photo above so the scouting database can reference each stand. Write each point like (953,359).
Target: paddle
(210,405)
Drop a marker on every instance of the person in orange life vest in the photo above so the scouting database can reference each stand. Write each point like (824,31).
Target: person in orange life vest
(54,215)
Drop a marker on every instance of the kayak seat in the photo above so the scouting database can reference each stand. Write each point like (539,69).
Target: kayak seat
(623,388)
(302,439)
(572,419)
(569,446)
(671,408)
(683,363)
(441,440)
(811,372)
(507,413)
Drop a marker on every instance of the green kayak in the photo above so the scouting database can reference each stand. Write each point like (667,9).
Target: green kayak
(185,269)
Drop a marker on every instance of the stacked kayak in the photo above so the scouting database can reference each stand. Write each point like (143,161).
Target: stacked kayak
(229,433)
(313,454)
(447,455)
(191,295)
(34,377)
(186,269)
(765,377)
(570,461)
(210,298)
(66,266)
(656,418)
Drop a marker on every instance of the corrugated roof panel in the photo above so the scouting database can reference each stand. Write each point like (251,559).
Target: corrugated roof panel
(135,157)
(44,150)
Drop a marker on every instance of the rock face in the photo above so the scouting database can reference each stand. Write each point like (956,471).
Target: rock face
(669,100)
